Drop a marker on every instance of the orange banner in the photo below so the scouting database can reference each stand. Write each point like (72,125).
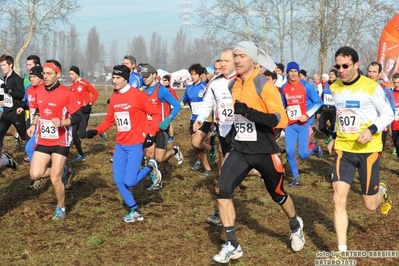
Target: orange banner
(388,52)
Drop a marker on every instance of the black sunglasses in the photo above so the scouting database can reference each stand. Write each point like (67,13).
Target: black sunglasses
(344,66)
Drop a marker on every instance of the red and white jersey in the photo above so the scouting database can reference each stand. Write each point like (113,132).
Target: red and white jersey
(82,89)
(128,109)
(56,103)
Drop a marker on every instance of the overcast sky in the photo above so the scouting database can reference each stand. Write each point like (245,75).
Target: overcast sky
(121,20)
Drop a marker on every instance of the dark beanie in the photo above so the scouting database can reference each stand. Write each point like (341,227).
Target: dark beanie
(303,72)
(75,69)
(334,71)
(36,71)
(292,65)
(280,66)
(167,77)
(122,71)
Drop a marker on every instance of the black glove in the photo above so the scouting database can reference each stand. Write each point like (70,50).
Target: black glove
(5,88)
(91,133)
(149,140)
(86,109)
(240,108)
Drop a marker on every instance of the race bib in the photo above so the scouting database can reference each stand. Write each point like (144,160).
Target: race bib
(328,99)
(246,129)
(196,107)
(348,120)
(123,121)
(294,112)
(48,130)
(8,101)
(225,112)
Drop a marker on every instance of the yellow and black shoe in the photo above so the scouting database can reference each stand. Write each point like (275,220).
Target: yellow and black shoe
(386,204)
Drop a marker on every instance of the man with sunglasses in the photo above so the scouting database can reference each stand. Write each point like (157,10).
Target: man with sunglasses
(363,111)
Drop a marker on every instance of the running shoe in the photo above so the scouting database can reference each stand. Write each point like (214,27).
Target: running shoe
(80,158)
(133,216)
(153,164)
(35,184)
(154,187)
(67,176)
(196,166)
(394,152)
(318,150)
(11,162)
(17,139)
(297,237)
(171,139)
(214,219)
(179,155)
(386,204)
(228,252)
(59,214)
(297,182)
(327,139)
(206,173)
(103,136)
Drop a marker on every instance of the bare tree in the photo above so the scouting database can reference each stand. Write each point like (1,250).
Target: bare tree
(179,46)
(333,23)
(34,16)
(138,49)
(94,53)
(113,54)
(265,22)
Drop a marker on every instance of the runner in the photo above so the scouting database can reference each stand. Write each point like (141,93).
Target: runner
(301,103)
(363,112)
(162,99)
(128,109)
(258,109)
(56,111)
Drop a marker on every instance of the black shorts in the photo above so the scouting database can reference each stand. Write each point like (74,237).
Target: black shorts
(367,164)
(53,149)
(206,126)
(226,147)
(236,167)
(161,140)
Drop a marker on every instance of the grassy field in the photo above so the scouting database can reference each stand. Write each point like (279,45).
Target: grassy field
(174,231)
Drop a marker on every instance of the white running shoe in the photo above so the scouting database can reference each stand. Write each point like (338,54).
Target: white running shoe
(228,252)
(179,155)
(298,238)
(153,164)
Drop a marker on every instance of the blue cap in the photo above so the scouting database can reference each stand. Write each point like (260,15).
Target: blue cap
(292,65)
(210,70)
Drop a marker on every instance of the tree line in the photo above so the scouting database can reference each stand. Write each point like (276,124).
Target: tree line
(287,29)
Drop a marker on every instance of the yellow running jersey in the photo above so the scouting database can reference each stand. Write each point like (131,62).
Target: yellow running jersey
(359,105)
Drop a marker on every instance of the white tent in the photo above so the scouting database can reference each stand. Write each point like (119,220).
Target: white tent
(162,72)
(180,79)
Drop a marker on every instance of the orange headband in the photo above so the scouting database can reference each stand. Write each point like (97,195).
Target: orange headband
(52,66)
